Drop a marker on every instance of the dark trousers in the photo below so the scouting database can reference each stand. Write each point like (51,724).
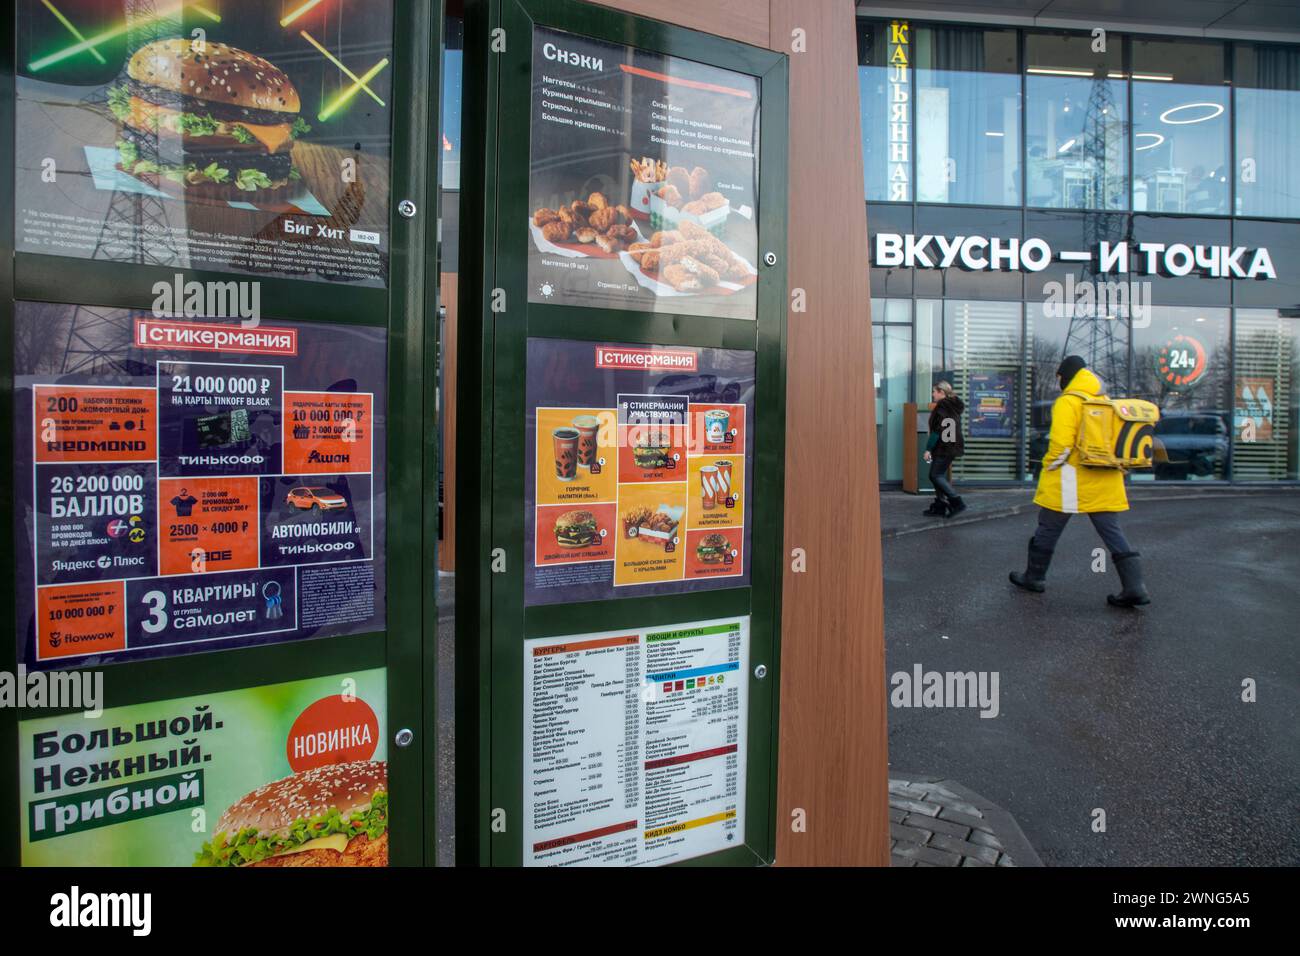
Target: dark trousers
(1106,523)
(939,466)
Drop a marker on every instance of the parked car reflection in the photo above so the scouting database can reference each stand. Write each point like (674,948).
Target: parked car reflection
(1191,444)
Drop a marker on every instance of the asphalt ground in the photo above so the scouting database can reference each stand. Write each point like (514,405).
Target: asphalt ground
(1137,713)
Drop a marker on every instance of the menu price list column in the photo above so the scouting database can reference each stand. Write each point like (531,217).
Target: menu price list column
(581,730)
(665,783)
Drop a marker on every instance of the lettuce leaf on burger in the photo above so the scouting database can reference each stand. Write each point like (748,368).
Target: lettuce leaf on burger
(336,815)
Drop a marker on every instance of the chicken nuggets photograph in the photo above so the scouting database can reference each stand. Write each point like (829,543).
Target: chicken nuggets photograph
(699,182)
(680,180)
(557,231)
(602,218)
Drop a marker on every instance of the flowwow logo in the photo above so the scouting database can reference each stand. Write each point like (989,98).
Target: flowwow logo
(77,909)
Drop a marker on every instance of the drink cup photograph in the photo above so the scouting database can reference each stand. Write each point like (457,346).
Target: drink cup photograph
(566,453)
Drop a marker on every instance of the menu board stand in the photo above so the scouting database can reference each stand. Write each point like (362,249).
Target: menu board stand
(234,497)
(620,440)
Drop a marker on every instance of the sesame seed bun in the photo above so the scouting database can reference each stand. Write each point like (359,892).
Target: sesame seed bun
(272,808)
(218,74)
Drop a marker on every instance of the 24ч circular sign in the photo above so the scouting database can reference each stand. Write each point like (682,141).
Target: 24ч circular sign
(1181,362)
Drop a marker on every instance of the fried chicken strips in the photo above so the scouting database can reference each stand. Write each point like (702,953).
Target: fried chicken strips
(689,258)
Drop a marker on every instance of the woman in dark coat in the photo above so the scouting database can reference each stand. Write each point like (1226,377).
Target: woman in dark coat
(944,445)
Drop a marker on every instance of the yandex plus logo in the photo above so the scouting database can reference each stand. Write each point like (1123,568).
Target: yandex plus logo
(207,337)
(667,360)
(335,729)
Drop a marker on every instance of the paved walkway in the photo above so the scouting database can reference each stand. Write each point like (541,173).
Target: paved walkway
(937,822)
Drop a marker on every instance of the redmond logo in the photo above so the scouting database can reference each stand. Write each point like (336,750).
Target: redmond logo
(341,458)
(77,909)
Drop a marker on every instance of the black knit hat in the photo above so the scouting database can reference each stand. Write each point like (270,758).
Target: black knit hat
(1071,366)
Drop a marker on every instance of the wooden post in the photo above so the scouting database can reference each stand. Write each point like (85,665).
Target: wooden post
(910,451)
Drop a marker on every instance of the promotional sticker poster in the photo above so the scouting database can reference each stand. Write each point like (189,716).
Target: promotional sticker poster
(992,404)
(187,485)
(249,137)
(643,181)
(634,744)
(637,470)
(1255,406)
(292,774)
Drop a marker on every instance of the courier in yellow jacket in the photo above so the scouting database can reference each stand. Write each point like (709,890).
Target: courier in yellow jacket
(1067,488)
(1064,485)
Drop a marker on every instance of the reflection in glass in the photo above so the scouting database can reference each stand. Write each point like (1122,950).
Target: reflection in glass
(1180,128)
(977,347)
(1268,130)
(1075,136)
(1181,362)
(967,116)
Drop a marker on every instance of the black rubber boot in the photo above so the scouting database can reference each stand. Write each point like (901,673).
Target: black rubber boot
(937,508)
(955,507)
(1034,577)
(1134,590)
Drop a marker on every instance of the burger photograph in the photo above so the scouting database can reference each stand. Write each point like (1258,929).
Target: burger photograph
(334,815)
(248,139)
(713,548)
(651,449)
(214,122)
(576,529)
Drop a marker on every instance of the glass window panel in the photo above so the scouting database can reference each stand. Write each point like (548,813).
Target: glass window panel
(452,72)
(1075,141)
(1266,406)
(1180,128)
(967,116)
(976,346)
(1267,77)
(885,97)
(1181,361)
(892,360)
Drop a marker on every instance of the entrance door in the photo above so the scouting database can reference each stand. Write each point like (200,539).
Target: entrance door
(892,369)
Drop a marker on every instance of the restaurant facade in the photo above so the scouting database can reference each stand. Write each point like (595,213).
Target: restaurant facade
(1039,186)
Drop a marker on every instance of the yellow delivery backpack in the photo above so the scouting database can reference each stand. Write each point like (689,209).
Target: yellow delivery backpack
(1116,432)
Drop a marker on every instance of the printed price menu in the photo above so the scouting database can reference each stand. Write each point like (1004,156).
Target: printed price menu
(645,489)
(634,744)
(193,485)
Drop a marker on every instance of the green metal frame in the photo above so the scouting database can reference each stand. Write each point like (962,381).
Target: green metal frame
(491,619)
(408,310)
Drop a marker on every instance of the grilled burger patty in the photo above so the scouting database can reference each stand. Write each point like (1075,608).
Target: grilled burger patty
(226,112)
(174,151)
